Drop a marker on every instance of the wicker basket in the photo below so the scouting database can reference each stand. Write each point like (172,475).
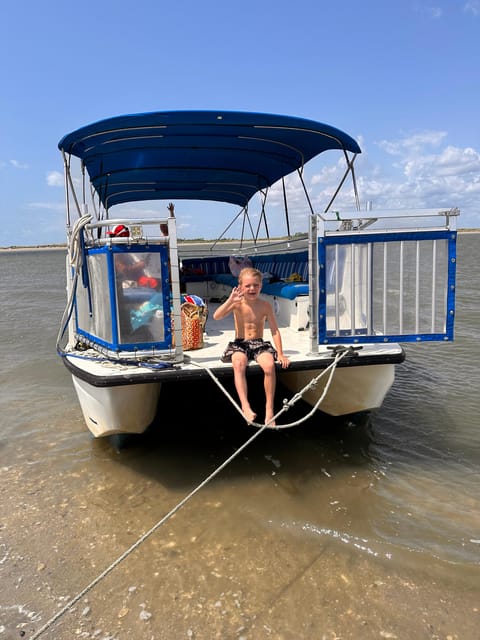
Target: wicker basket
(194,318)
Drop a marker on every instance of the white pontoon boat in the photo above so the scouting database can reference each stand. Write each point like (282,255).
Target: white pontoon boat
(139,313)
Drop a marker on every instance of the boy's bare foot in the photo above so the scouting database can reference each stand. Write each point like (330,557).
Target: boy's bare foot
(269,420)
(249,414)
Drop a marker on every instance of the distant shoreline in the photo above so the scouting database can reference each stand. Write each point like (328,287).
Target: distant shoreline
(58,247)
(42,247)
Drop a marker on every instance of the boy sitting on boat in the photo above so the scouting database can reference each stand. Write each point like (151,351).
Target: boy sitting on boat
(250,313)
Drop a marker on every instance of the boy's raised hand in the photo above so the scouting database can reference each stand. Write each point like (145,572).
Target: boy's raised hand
(236,296)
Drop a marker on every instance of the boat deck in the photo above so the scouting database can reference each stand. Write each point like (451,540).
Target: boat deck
(99,370)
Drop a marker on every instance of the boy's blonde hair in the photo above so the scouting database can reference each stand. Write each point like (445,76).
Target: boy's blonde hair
(249,271)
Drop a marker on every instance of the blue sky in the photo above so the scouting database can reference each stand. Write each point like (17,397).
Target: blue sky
(402,77)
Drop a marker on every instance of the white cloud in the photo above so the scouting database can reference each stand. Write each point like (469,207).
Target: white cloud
(451,161)
(432,11)
(418,162)
(431,176)
(55,179)
(18,165)
(51,206)
(473,6)
(418,171)
(435,12)
(412,144)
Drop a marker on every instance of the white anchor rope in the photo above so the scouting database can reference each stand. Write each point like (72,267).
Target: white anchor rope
(142,539)
(75,259)
(286,404)
(139,541)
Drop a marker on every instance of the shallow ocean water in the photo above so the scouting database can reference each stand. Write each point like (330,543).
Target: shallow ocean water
(367,527)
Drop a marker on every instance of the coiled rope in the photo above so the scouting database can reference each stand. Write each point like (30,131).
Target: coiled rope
(76,260)
(339,354)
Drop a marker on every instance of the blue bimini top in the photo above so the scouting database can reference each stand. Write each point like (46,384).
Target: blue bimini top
(225,156)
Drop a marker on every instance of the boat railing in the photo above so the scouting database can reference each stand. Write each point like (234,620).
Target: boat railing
(389,219)
(141,230)
(387,282)
(204,248)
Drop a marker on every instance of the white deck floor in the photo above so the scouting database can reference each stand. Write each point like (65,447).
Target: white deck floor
(296,345)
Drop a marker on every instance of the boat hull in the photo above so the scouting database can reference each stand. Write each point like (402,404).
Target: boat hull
(130,409)
(352,389)
(122,399)
(111,410)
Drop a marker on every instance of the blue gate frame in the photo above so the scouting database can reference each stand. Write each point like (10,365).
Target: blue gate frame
(366,334)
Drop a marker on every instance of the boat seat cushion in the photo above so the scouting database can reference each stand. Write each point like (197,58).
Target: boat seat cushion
(279,268)
(289,290)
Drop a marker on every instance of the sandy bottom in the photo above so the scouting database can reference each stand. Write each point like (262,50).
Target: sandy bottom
(278,546)
(214,570)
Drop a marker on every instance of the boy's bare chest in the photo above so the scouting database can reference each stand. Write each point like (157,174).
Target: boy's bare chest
(252,313)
